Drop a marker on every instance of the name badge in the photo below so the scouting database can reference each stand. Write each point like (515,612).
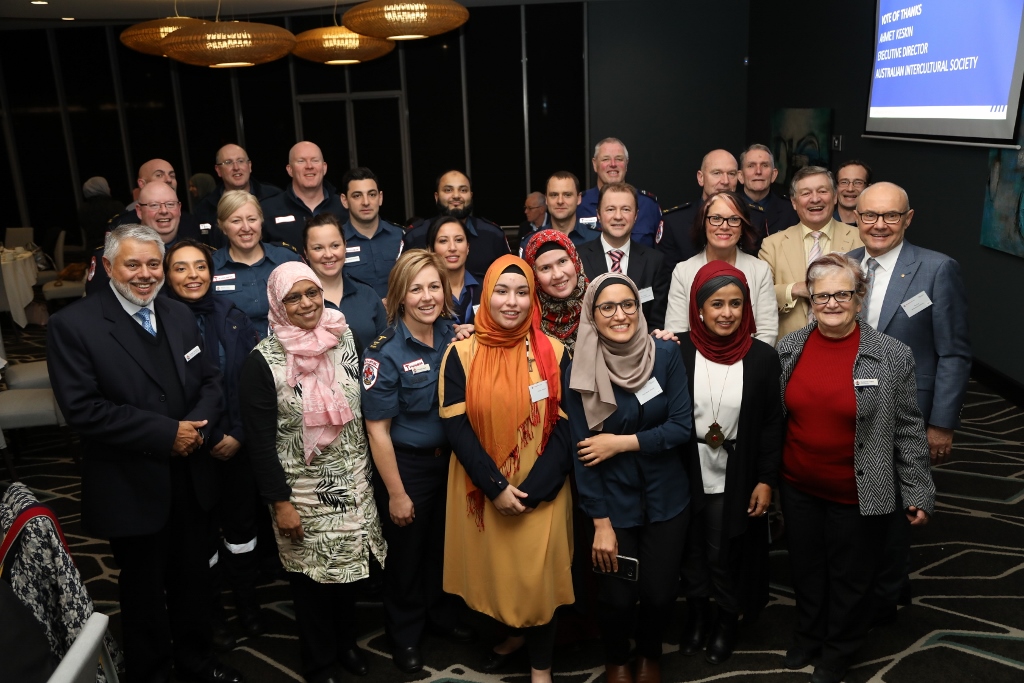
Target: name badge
(648,391)
(284,219)
(476,308)
(592,220)
(224,288)
(349,250)
(421,368)
(865,382)
(192,354)
(205,227)
(351,259)
(409,366)
(916,304)
(221,278)
(539,391)
(646,294)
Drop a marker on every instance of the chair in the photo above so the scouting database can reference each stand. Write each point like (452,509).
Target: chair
(32,375)
(18,237)
(23,408)
(65,289)
(45,276)
(79,664)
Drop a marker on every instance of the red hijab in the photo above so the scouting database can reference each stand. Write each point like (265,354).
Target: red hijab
(722,350)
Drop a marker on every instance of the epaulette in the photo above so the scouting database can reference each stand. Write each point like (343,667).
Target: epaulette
(382,339)
(113,218)
(649,194)
(677,207)
(488,221)
(755,207)
(286,246)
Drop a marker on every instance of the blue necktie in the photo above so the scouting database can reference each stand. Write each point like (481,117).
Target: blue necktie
(143,316)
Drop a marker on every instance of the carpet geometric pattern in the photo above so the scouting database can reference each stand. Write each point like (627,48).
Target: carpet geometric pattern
(966,622)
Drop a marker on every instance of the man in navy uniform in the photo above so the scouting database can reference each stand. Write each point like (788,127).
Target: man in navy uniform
(563,198)
(234,167)
(372,245)
(285,215)
(454,197)
(130,375)
(611,159)
(160,172)
(769,213)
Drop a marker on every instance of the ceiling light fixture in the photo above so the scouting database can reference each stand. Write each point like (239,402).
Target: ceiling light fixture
(405,20)
(40,2)
(228,44)
(339,45)
(146,37)
(68,18)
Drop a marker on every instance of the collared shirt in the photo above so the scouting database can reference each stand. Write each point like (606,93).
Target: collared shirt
(246,285)
(132,308)
(624,263)
(400,382)
(648,214)
(824,241)
(839,219)
(883,273)
(285,215)
(370,259)
(585,230)
(466,301)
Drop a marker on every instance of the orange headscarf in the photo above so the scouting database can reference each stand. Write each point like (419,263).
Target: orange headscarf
(498,382)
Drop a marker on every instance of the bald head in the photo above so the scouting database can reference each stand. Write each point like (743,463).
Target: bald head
(233,167)
(718,171)
(307,168)
(159,209)
(890,191)
(883,216)
(157,170)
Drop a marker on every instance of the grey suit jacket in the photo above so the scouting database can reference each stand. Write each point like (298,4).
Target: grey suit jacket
(937,335)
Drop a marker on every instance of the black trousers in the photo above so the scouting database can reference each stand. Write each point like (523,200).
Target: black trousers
(164,589)
(833,554)
(235,520)
(325,621)
(894,567)
(414,570)
(712,564)
(659,548)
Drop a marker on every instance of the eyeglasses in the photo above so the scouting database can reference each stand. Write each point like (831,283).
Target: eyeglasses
(842,297)
(890,217)
(531,208)
(156,206)
(232,162)
(628,307)
(313,294)
(846,182)
(733,221)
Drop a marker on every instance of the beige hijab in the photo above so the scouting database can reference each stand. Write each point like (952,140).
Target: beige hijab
(598,363)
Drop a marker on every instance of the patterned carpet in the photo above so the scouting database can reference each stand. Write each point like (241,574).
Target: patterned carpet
(966,622)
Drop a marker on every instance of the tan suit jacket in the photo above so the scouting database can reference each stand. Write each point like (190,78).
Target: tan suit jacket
(784,254)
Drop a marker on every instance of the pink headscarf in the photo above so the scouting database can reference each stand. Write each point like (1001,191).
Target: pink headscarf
(324,410)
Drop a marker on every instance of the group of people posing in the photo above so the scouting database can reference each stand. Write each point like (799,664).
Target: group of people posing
(577,425)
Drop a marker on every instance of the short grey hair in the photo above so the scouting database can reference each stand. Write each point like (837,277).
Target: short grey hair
(608,141)
(836,263)
(757,147)
(808,171)
(130,231)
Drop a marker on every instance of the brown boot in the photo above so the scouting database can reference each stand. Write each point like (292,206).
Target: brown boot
(617,673)
(648,670)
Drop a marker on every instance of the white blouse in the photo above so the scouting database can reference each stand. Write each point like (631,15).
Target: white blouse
(711,381)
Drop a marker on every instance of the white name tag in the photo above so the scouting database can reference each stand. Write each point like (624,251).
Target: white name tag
(539,391)
(221,278)
(205,227)
(284,219)
(192,354)
(648,391)
(592,220)
(351,259)
(409,366)
(421,368)
(350,250)
(916,304)
(224,288)
(646,294)
(476,308)
(865,382)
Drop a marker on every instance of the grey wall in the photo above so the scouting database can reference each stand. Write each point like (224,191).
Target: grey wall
(667,77)
(946,184)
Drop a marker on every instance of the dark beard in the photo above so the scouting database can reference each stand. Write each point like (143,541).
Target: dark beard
(462,214)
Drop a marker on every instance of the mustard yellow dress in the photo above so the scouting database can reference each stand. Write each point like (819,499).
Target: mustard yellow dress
(515,569)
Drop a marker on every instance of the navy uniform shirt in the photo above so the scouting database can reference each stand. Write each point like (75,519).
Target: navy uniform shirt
(364,312)
(674,241)
(245,285)
(285,215)
(648,215)
(585,230)
(467,301)
(370,259)
(400,375)
(486,243)
(206,210)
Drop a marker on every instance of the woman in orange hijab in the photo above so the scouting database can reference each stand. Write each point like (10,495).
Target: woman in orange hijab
(508,537)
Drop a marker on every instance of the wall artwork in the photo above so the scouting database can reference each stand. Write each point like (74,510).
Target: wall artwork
(1002,223)
(800,137)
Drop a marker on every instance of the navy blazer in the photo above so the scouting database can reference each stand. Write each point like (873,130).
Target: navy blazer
(937,335)
(110,393)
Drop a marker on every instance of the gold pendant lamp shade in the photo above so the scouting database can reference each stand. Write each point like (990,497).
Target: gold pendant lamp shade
(146,37)
(339,45)
(405,20)
(225,44)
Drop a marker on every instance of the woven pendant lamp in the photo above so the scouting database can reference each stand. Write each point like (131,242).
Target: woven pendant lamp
(146,37)
(405,19)
(339,45)
(226,44)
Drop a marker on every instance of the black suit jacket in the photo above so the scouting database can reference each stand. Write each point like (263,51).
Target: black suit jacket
(110,393)
(646,268)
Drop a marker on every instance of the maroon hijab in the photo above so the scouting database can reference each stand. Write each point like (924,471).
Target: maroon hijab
(722,350)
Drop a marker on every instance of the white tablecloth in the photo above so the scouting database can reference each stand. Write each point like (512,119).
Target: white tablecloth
(19,276)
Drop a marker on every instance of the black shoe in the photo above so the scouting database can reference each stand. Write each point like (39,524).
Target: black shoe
(407,659)
(354,661)
(221,639)
(457,632)
(823,675)
(697,627)
(496,661)
(215,672)
(249,620)
(798,657)
(723,639)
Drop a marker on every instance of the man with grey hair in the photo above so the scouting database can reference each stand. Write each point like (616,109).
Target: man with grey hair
(769,213)
(535,207)
(130,375)
(611,159)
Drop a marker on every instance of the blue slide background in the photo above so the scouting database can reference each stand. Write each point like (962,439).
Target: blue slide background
(952,29)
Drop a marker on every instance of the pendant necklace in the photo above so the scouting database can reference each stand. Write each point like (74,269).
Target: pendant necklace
(714,436)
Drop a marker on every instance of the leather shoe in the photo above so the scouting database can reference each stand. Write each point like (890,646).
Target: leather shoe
(457,632)
(648,671)
(215,672)
(823,675)
(723,640)
(617,673)
(496,661)
(407,659)
(221,637)
(798,657)
(696,627)
(354,661)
